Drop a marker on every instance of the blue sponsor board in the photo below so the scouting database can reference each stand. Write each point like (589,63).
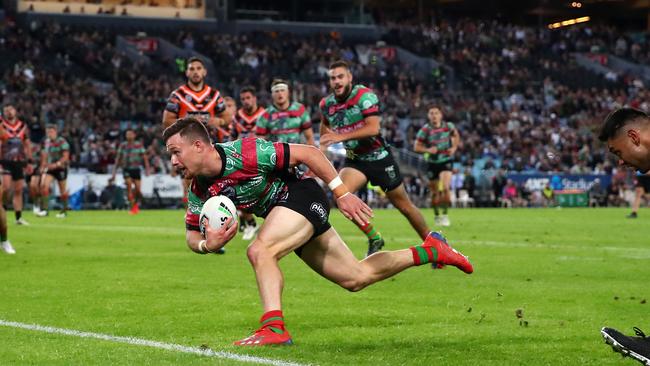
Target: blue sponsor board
(584,182)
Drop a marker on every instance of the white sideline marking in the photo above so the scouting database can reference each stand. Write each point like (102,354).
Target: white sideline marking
(147,343)
(411,240)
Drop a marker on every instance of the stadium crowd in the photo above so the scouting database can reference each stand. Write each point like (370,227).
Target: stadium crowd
(516,109)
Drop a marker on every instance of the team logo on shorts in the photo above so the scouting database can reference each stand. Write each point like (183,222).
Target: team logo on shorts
(319,210)
(390,170)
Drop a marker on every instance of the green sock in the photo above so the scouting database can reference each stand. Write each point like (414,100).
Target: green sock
(370,232)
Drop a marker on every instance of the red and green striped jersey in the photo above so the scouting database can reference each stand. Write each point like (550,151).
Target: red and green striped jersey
(350,115)
(131,154)
(252,176)
(440,137)
(54,149)
(284,125)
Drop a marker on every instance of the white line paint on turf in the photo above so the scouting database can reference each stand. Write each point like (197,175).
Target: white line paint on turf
(411,240)
(148,343)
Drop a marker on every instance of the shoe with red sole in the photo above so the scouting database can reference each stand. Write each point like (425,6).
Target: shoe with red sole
(446,254)
(267,336)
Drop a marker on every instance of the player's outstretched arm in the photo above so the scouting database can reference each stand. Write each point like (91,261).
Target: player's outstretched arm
(350,205)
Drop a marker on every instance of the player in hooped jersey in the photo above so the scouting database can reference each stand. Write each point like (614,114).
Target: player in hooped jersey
(253,173)
(284,120)
(245,124)
(131,155)
(54,165)
(16,158)
(352,115)
(438,141)
(197,99)
(247,116)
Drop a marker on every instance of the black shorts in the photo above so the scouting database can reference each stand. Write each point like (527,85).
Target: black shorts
(383,173)
(13,168)
(59,174)
(307,198)
(434,169)
(133,173)
(643,181)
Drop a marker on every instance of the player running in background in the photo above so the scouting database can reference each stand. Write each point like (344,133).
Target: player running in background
(16,159)
(284,120)
(351,114)
(54,165)
(245,123)
(296,215)
(627,134)
(642,188)
(131,155)
(34,180)
(247,116)
(438,141)
(197,99)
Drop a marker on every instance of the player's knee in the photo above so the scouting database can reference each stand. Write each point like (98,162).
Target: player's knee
(257,252)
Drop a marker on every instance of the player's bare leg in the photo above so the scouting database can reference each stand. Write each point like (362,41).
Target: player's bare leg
(4,242)
(63,188)
(18,186)
(400,199)
(638,195)
(445,200)
(248,225)
(331,258)
(130,194)
(137,193)
(46,182)
(6,183)
(355,180)
(283,231)
(434,188)
(35,193)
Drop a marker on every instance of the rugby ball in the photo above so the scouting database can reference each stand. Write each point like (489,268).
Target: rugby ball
(215,211)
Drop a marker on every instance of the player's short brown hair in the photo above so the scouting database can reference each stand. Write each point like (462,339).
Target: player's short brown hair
(247,89)
(188,127)
(340,63)
(195,59)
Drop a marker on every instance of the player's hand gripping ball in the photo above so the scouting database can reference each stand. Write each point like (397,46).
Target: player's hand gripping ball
(216,211)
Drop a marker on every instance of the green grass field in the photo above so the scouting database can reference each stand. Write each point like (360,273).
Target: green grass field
(570,271)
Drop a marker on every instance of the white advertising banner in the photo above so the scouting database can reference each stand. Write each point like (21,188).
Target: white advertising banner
(167,186)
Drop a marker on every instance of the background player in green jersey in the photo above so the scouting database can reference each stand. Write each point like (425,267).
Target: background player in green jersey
(284,120)
(352,115)
(131,156)
(438,141)
(253,173)
(54,165)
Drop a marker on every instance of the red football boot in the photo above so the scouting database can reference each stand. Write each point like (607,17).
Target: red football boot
(266,336)
(446,254)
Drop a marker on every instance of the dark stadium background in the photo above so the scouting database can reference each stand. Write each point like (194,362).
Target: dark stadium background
(527,99)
